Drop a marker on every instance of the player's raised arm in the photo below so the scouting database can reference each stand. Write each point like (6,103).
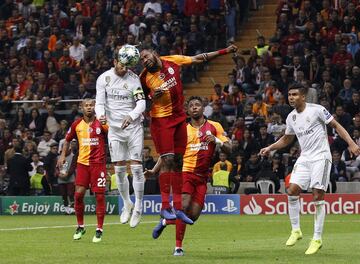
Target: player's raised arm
(353,147)
(211,55)
(281,143)
(100,99)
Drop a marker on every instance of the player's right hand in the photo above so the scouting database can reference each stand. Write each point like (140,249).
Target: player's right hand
(102,119)
(148,173)
(60,162)
(232,48)
(265,151)
(354,149)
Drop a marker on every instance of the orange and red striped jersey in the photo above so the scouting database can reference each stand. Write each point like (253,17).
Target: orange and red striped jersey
(199,153)
(171,102)
(91,140)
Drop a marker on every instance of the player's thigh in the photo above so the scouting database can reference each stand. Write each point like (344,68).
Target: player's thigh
(188,185)
(198,196)
(118,150)
(98,178)
(300,175)
(320,174)
(162,133)
(136,143)
(180,138)
(83,175)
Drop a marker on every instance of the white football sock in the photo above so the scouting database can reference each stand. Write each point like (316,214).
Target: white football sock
(123,184)
(138,184)
(319,219)
(294,212)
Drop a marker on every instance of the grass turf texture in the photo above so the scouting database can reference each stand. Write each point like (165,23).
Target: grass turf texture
(213,239)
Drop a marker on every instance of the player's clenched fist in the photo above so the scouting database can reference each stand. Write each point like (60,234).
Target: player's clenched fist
(265,151)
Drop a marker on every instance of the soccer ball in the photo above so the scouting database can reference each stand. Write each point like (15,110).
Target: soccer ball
(128,55)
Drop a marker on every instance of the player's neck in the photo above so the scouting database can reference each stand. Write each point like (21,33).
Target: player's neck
(301,108)
(157,67)
(198,123)
(89,120)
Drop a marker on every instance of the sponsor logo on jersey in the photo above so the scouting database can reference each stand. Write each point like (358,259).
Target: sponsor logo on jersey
(162,76)
(125,86)
(90,142)
(168,84)
(199,146)
(90,129)
(294,117)
(306,132)
(199,134)
(171,70)
(107,80)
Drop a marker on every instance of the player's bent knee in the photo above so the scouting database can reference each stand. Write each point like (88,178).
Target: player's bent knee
(318,195)
(294,190)
(80,189)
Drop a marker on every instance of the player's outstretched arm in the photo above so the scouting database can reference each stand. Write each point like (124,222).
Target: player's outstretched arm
(211,55)
(353,147)
(281,143)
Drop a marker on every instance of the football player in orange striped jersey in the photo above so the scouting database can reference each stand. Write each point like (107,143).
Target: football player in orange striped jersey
(202,137)
(161,81)
(91,165)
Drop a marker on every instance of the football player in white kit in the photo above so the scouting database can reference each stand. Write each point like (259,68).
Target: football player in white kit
(312,169)
(120,101)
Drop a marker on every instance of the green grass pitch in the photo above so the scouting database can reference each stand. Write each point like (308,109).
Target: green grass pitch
(213,239)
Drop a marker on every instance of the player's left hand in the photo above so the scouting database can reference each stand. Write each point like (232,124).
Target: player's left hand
(210,139)
(354,149)
(232,48)
(127,121)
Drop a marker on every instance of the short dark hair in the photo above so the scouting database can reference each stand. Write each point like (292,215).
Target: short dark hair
(195,98)
(302,89)
(148,148)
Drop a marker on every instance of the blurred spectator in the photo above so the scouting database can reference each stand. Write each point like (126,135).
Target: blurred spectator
(252,167)
(217,116)
(35,162)
(18,167)
(50,168)
(338,167)
(237,173)
(44,145)
(222,161)
(36,123)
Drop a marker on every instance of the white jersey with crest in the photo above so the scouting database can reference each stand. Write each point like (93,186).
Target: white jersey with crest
(115,97)
(309,126)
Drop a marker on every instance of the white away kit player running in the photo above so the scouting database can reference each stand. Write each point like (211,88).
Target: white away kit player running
(312,169)
(120,101)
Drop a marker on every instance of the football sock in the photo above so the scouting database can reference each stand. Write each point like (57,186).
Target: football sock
(319,219)
(100,209)
(138,184)
(122,184)
(164,181)
(180,232)
(79,208)
(294,211)
(176,184)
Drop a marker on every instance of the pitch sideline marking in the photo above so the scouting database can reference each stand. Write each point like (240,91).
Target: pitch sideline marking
(64,226)
(149,222)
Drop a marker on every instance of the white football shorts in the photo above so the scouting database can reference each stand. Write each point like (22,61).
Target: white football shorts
(127,144)
(314,174)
